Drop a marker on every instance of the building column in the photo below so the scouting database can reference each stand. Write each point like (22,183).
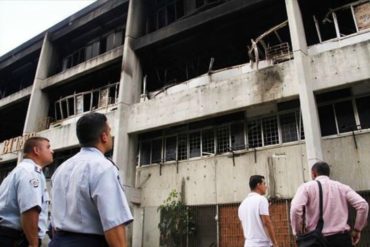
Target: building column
(306,95)
(38,106)
(125,145)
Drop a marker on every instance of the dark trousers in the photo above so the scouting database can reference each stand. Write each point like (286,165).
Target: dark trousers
(69,239)
(339,240)
(6,241)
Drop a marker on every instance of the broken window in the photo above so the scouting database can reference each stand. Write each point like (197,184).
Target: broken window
(363,108)
(254,134)
(326,20)
(156,151)
(13,118)
(6,168)
(206,48)
(270,46)
(194,144)
(237,136)
(345,116)
(164,13)
(208,142)
(327,120)
(145,152)
(270,131)
(182,148)
(223,139)
(288,125)
(171,143)
(86,101)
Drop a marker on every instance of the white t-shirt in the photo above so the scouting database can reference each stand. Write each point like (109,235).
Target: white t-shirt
(250,211)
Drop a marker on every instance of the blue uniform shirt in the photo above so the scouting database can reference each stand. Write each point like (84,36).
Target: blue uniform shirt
(87,196)
(23,189)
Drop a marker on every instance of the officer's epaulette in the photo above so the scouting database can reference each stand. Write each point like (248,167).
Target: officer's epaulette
(38,169)
(111,161)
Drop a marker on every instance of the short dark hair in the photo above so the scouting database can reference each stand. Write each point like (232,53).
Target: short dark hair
(321,168)
(90,127)
(32,142)
(254,180)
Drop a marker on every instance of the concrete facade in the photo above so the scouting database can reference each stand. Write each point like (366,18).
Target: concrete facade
(283,114)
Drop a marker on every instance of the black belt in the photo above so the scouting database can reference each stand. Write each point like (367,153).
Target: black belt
(78,234)
(10,232)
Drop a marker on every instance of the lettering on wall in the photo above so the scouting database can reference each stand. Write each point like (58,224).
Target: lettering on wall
(16,144)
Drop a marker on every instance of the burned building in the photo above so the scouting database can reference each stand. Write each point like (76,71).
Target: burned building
(201,94)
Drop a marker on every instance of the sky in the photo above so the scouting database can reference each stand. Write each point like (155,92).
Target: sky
(21,20)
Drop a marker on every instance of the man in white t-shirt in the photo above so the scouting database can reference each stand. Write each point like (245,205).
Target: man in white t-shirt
(254,215)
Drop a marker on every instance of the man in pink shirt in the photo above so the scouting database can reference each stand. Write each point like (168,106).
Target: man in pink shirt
(336,197)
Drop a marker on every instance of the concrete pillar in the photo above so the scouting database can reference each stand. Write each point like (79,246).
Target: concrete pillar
(38,106)
(306,96)
(125,145)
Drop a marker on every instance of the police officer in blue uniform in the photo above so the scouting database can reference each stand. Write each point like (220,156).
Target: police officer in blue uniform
(89,206)
(24,198)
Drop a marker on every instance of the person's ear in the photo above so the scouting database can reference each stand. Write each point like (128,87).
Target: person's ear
(36,150)
(104,137)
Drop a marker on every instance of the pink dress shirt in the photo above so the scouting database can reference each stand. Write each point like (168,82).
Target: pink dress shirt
(336,197)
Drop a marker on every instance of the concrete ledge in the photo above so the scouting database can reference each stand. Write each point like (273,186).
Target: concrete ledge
(15,97)
(215,95)
(84,68)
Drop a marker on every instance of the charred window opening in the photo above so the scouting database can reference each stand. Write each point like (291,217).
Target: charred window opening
(13,118)
(341,112)
(334,19)
(216,45)
(96,90)
(6,168)
(93,48)
(18,76)
(161,13)
(96,37)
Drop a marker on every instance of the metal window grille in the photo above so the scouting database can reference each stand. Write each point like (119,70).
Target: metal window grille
(223,138)
(85,101)
(204,226)
(145,149)
(194,144)
(288,127)
(270,131)
(208,142)
(237,136)
(182,148)
(171,143)
(254,134)
(156,151)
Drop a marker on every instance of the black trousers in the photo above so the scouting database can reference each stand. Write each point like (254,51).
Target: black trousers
(71,239)
(339,240)
(6,241)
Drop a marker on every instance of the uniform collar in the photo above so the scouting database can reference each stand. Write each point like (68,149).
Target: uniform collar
(38,168)
(91,150)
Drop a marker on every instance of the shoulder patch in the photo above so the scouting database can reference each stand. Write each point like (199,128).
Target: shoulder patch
(37,169)
(35,182)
